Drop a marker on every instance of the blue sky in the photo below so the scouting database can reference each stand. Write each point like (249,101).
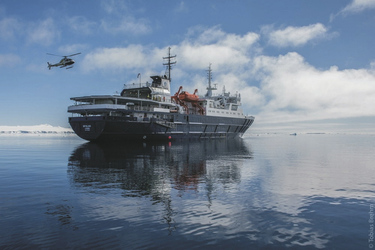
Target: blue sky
(297,64)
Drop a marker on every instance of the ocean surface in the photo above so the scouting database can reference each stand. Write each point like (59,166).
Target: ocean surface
(274,191)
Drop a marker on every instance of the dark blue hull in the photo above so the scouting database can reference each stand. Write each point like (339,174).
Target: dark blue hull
(175,127)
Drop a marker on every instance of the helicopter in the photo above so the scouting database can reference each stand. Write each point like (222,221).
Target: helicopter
(63,62)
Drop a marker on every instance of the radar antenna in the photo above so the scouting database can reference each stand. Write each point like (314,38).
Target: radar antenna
(210,88)
(169,63)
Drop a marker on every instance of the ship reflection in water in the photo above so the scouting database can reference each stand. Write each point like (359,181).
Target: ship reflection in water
(144,168)
(158,187)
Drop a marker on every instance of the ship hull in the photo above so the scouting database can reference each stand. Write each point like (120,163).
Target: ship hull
(178,126)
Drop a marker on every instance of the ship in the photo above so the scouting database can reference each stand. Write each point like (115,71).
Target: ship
(148,112)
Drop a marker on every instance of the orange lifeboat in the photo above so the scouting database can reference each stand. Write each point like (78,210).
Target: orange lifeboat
(186,96)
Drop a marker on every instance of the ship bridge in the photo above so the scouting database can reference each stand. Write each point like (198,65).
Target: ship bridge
(157,90)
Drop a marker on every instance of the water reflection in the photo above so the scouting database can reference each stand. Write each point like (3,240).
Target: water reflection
(216,193)
(141,169)
(282,192)
(161,172)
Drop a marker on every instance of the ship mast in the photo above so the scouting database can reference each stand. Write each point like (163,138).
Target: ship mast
(169,63)
(210,88)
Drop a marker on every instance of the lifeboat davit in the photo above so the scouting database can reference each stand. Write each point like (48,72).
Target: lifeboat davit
(186,96)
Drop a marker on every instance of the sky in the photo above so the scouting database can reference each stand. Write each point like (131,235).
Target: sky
(299,65)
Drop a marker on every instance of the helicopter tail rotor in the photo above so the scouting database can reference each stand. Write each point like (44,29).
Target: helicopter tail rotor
(49,65)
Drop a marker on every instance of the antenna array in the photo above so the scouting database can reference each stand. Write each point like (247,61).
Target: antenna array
(169,63)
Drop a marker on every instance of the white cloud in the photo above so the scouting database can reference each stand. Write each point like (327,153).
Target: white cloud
(9,60)
(122,19)
(297,91)
(81,25)
(181,7)
(126,25)
(44,33)
(131,57)
(204,35)
(224,50)
(199,57)
(72,48)
(295,36)
(114,6)
(214,45)
(9,27)
(115,25)
(358,5)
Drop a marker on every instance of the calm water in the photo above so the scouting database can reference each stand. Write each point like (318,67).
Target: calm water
(267,192)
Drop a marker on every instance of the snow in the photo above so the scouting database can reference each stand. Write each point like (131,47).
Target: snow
(35,129)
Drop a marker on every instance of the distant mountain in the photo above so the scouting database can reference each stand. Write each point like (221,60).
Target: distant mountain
(36,129)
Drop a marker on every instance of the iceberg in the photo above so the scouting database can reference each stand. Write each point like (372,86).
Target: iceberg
(35,129)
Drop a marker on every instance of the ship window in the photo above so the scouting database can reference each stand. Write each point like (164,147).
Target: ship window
(104,101)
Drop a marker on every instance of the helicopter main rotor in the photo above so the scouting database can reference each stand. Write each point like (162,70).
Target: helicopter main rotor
(64,56)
